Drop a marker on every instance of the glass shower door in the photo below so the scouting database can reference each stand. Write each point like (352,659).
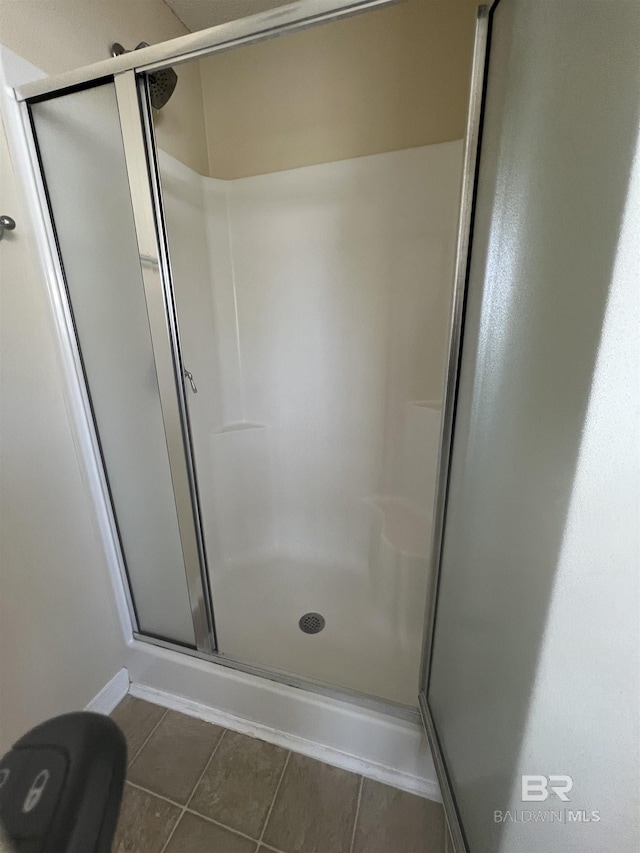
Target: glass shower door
(115,301)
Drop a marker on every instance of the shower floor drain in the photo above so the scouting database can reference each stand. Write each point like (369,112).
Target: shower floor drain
(311,623)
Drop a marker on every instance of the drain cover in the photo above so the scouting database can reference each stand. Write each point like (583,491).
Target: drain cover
(311,623)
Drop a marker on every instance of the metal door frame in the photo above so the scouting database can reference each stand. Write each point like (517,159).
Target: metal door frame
(473,141)
(128,72)
(291,18)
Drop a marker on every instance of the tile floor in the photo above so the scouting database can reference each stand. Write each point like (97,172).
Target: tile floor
(193,787)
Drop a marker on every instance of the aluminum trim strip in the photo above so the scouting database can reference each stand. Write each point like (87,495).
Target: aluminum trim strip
(159,312)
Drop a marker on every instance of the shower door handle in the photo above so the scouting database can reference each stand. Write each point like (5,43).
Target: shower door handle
(189,376)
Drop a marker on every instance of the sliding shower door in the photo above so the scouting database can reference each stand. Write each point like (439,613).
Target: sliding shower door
(116,307)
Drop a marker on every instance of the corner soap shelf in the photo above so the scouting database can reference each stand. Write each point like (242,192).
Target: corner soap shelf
(240,426)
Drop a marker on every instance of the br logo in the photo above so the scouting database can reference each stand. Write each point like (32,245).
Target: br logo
(538,788)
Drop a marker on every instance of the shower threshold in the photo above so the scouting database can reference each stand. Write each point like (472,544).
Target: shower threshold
(390,708)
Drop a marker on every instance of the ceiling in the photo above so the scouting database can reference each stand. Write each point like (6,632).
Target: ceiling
(201,14)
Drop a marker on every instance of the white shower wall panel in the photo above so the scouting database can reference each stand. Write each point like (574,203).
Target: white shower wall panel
(343,274)
(313,305)
(226,343)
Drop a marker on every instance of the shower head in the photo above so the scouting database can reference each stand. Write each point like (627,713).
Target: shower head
(161,86)
(161,83)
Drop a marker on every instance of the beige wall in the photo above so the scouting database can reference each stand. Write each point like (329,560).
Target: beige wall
(59,637)
(58,35)
(381,81)
(60,640)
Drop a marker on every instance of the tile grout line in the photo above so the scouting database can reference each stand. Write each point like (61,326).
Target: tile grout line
(185,808)
(223,825)
(229,829)
(206,767)
(154,794)
(166,800)
(146,740)
(273,801)
(173,830)
(194,813)
(355,822)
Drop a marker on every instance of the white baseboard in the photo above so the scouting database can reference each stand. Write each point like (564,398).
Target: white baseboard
(111,694)
(378,746)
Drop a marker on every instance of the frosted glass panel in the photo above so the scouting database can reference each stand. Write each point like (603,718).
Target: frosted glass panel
(519,682)
(83,162)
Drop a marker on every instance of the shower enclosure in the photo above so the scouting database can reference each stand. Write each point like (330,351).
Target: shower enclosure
(312,304)
(260,344)
(263,349)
